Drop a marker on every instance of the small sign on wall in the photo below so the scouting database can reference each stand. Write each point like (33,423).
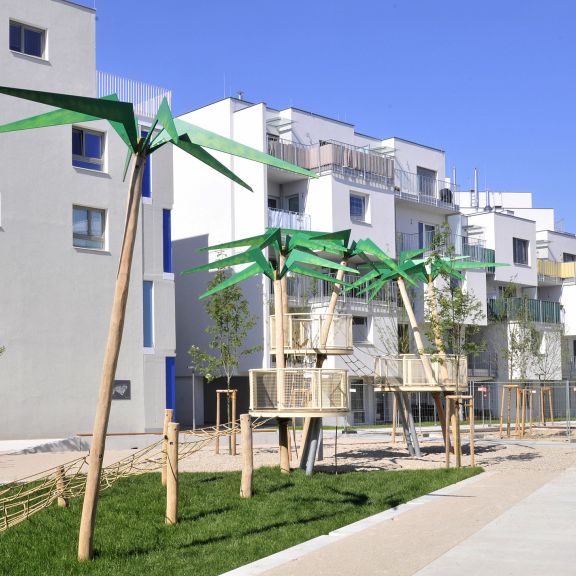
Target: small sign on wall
(121,390)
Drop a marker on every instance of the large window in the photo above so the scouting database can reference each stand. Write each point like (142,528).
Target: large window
(358,207)
(167,239)
(426,233)
(27,40)
(147,176)
(520,251)
(359,329)
(87,149)
(567,257)
(89,225)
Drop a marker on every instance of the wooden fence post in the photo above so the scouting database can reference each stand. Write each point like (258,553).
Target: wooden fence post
(283,442)
(60,487)
(172,474)
(247,456)
(167,419)
(233,422)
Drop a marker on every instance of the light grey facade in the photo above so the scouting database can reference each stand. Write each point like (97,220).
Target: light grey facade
(56,296)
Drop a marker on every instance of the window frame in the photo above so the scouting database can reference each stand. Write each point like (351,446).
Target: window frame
(90,237)
(99,166)
(364,198)
(23,28)
(517,252)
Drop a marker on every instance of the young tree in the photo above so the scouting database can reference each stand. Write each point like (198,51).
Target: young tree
(231,321)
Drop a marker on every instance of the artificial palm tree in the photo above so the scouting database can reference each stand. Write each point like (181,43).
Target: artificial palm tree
(165,129)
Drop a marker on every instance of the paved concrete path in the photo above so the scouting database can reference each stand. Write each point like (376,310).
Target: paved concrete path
(505,523)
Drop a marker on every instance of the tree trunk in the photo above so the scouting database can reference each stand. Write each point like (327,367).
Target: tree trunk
(88,521)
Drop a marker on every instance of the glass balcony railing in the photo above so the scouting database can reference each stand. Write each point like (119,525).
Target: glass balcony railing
(519,309)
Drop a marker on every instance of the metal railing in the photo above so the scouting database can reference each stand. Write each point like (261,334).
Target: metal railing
(146,98)
(330,156)
(483,365)
(515,309)
(298,391)
(424,190)
(286,219)
(556,270)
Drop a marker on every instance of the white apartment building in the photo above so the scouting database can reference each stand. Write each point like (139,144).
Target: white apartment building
(393,191)
(62,213)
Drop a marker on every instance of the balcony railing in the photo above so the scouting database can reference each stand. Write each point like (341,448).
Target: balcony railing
(524,309)
(303,291)
(338,158)
(456,244)
(550,269)
(287,219)
(424,190)
(146,98)
(483,365)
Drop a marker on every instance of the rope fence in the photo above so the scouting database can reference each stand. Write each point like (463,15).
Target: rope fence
(25,497)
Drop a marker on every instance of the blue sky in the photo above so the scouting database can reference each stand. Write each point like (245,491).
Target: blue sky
(491,82)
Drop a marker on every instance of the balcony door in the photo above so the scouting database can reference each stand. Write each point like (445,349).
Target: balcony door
(426,181)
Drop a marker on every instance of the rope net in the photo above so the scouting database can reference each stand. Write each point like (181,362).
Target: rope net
(21,499)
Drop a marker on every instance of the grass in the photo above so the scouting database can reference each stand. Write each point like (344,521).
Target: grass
(217,531)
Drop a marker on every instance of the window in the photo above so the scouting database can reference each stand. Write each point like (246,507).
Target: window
(359,329)
(148,309)
(167,239)
(520,251)
(426,233)
(567,257)
(27,40)
(426,181)
(294,204)
(272,202)
(88,226)
(147,176)
(358,207)
(87,149)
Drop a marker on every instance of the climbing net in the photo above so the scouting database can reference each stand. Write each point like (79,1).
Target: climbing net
(21,499)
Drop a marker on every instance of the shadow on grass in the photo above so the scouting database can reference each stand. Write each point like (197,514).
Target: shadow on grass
(200,515)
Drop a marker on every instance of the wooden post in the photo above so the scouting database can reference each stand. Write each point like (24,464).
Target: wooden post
(217,422)
(284,448)
(503,392)
(394,413)
(457,441)
(542,408)
(233,422)
(471,420)
(550,404)
(60,487)
(172,475)
(447,442)
(247,456)
(115,330)
(168,413)
(509,398)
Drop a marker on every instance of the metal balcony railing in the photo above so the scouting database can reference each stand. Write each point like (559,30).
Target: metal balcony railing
(146,98)
(338,158)
(286,219)
(518,309)
(556,270)
(298,392)
(483,365)
(424,190)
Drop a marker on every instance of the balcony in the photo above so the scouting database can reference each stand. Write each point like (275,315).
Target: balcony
(424,190)
(146,98)
(287,219)
(406,371)
(551,272)
(302,334)
(343,160)
(459,245)
(520,309)
(298,392)
(305,291)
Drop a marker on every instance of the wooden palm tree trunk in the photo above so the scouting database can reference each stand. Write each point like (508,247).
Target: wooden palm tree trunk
(88,521)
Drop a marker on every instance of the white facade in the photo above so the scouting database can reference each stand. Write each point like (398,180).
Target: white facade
(56,297)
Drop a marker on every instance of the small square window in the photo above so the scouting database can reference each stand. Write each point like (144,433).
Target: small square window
(87,149)
(359,329)
(27,39)
(358,205)
(89,226)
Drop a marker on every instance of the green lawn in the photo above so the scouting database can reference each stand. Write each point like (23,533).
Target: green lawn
(218,531)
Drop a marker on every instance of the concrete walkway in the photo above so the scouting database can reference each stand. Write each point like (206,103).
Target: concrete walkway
(505,523)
